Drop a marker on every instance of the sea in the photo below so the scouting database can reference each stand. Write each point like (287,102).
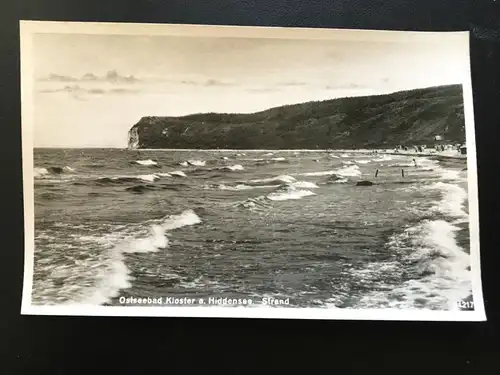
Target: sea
(251,224)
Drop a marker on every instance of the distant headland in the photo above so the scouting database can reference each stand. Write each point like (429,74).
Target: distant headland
(409,117)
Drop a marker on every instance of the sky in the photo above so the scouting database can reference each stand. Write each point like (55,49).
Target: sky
(179,75)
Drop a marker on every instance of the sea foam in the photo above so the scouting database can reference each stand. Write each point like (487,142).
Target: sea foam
(289,193)
(147,162)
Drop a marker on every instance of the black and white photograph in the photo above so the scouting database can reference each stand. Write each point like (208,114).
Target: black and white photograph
(254,172)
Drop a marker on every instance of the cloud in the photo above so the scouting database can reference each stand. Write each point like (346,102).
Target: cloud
(78,90)
(207,83)
(59,78)
(111,76)
(215,82)
(292,83)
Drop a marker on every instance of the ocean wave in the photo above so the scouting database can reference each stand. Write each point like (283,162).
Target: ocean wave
(178,173)
(304,184)
(362,161)
(240,187)
(40,171)
(442,265)
(236,167)
(437,268)
(173,173)
(147,162)
(383,158)
(279,159)
(258,203)
(453,200)
(254,159)
(196,163)
(157,238)
(278,179)
(335,179)
(348,171)
(319,174)
(112,278)
(289,193)
(121,179)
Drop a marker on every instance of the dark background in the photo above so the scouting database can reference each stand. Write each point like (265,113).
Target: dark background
(64,345)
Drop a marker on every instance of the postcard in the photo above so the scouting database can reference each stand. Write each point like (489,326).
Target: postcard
(248,172)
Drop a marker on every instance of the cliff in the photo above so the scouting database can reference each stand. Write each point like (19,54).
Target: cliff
(406,118)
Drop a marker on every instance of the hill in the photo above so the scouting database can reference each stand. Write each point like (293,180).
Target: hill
(401,118)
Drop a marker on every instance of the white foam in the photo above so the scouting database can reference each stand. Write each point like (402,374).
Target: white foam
(148,177)
(240,187)
(197,163)
(281,178)
(164,174)
(363,161)
(444,267)
(111,279)
(178,173)
(69,169)
(304,184)
(383,158)
(157,239)
(449,174)
(186,218)
(269,154)
(147,162)
(450,275)
(350,171)
(236,167)
(279,159)
(289,194)
(184,164)
(39,172)
(321,173)
(453,199)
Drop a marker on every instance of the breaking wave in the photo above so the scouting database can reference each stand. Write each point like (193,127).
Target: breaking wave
(289,193)
(236,167)
(240,187)
(348,171)
(196,163)
(40,172)
(173,173)
(113,275)
(278,179)
(437,268)
(148,162)
(122,179)
(453,200)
